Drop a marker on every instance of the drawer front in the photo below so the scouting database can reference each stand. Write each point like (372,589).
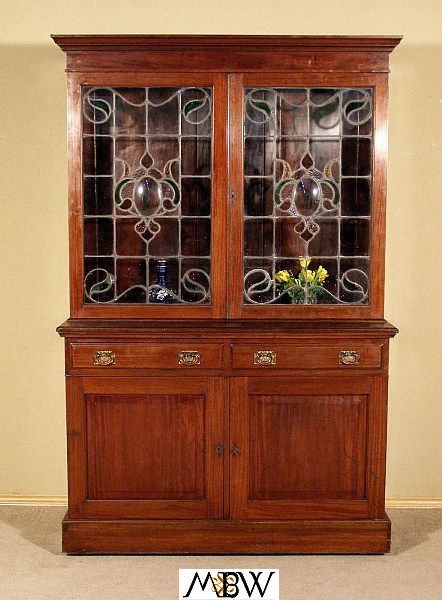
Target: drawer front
(346,356)
(147,356)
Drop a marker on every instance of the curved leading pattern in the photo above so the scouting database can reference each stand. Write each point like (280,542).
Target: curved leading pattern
(356,111)
(147,193)
(306,193)
(265,283)
(144,189)
(306,187)
(98,110)
(105,285)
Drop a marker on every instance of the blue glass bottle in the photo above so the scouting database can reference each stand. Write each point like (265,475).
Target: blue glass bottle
(161,295)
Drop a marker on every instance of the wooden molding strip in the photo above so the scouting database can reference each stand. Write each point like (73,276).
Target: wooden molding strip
(413,502)
(34,500)
(336,43)
(392,502)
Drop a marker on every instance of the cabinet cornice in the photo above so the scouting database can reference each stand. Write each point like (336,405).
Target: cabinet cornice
(226,53)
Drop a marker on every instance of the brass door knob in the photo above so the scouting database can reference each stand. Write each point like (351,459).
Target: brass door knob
(264,357)
(104,358)
(349,357)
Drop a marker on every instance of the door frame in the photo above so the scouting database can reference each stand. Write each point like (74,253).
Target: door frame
(81,506)
(237,83)
(373,506)
(217,307)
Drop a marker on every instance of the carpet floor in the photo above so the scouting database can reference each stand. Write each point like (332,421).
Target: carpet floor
(32,566)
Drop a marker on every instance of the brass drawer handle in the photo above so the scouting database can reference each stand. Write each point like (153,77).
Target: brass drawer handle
(349,357)
(264,357)
(189,357)
(104,358)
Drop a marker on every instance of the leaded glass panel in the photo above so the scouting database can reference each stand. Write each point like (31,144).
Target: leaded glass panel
(307,195)
(147,179)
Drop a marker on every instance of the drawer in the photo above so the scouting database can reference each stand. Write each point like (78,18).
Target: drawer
(147,356)
(346,356)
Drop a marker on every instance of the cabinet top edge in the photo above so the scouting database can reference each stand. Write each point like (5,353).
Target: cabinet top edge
(336,43)
(106,327)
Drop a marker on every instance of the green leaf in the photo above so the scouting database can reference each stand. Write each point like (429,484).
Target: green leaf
(176,189)
(277,192)
(117,195)
(192,105)
(354,106)
(101,105)
(263,106)
(337,196)
(322,111)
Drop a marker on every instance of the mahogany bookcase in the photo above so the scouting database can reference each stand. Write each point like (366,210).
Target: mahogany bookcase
(226,351)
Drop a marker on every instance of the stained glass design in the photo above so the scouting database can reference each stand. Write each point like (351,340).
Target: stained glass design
(307,190)
(147,166)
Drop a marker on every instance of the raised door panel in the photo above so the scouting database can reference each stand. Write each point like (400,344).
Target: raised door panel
(301,448)
(145,448)
(310,447)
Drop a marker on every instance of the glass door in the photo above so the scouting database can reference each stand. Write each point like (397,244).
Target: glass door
(306,196)
(149,195)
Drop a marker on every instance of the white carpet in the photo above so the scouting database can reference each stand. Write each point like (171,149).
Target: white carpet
(33,568)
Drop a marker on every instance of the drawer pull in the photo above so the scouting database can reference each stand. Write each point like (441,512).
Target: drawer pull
(349,357)
(264,357)
(104,358)
(189,357)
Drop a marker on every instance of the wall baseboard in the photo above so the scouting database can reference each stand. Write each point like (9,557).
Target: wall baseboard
(392,502)
(413,502)
(34,500)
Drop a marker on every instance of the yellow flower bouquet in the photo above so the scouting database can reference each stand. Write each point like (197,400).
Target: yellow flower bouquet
(306,286)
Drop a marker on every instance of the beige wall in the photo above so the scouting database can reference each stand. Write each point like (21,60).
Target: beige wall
(33,231)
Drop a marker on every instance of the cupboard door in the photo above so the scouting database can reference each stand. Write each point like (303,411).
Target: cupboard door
(307,166)
(301,448)
(147,195)
(146,448)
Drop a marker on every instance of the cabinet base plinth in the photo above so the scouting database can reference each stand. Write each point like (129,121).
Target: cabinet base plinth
(226,537)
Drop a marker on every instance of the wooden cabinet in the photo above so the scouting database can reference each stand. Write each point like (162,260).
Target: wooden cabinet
(226,351)
(144,447)
(303,448)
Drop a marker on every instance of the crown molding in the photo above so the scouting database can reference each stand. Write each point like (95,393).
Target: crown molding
(336,43)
